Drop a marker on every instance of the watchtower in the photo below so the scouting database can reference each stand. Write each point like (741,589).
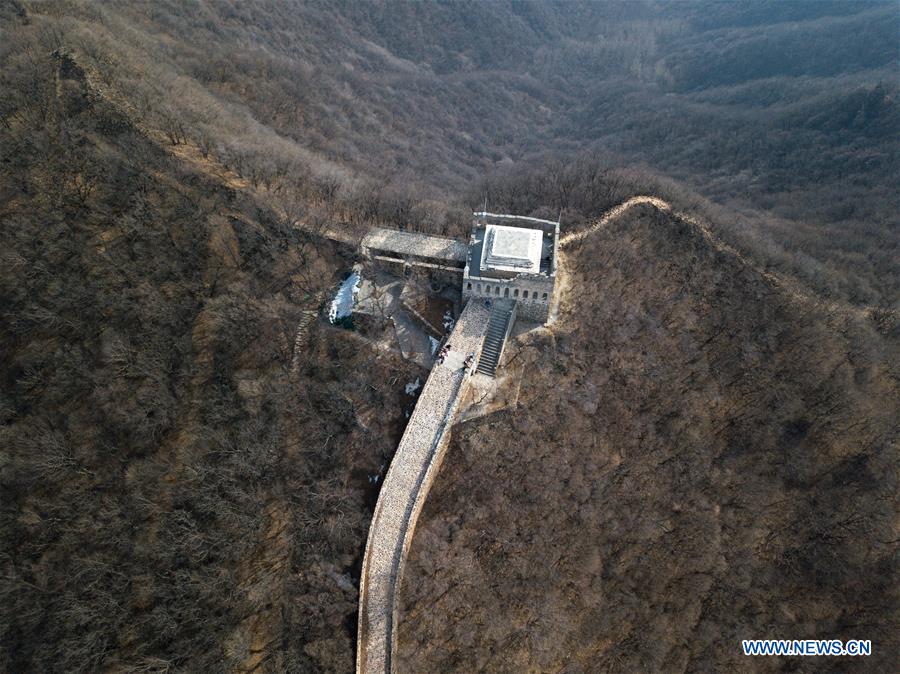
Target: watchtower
(512,257)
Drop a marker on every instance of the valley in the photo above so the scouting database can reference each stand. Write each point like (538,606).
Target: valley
(698,446)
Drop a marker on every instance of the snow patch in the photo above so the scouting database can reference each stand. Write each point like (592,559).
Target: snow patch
(342,304)
(373,479)
(435,343)
(448,322)
(412,387)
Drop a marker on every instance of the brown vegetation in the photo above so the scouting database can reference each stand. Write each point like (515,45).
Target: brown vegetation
(179,490)
(372,113)
(172,498)
(694,459)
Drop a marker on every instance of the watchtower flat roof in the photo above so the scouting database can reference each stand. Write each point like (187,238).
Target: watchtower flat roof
(412,243)
(515,249)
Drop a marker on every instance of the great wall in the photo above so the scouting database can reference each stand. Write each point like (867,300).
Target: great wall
(507,267)
(406,485)
(425,440)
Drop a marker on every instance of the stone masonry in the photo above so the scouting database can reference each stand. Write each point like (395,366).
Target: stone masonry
(405,488)
(413,245)
(512,257)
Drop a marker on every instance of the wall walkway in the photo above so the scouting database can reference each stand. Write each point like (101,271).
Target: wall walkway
(403,493)
(789,285)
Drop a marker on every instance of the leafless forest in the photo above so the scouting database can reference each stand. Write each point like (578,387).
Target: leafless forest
(696,457)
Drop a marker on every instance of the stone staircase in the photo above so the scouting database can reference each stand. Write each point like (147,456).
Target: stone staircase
(503,314)
(307,317)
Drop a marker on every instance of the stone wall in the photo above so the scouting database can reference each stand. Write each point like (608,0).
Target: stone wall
(413,469)
(533,294)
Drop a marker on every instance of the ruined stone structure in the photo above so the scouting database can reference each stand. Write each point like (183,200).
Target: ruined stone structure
(513,257)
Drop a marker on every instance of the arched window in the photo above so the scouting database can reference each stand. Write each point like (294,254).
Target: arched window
(478,288)
(487,289)
(524,294)
(469,286)
(544,297)
(516,292)
(506,292)
(497,290)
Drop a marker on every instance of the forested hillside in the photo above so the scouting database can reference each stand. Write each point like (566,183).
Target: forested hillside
(186,486)
(695,457)
(784,112)
(175,493)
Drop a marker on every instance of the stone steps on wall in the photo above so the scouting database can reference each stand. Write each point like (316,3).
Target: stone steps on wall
(502,316)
